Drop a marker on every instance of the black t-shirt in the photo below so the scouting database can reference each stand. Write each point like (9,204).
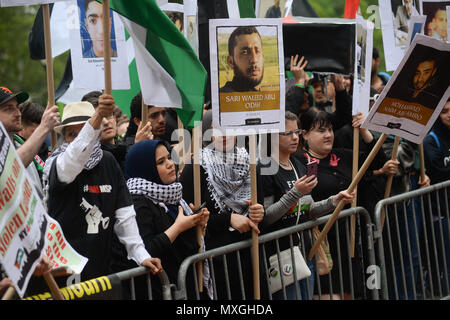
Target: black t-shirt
(85,209)
(277,185)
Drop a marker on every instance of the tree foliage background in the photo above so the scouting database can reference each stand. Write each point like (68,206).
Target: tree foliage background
(19,72)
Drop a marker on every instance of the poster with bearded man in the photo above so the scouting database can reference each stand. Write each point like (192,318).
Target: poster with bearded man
(415,94)
(247,74)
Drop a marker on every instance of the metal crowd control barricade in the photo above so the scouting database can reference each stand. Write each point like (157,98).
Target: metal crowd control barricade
(131,274)
(304,230)
(413,244)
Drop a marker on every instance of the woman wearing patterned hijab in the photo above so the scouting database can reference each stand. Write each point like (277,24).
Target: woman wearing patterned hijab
(225,187)
(166,222)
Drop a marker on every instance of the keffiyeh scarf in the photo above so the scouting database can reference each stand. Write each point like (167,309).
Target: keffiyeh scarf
(228,178)
(163,195)
(94,159)
(160,194)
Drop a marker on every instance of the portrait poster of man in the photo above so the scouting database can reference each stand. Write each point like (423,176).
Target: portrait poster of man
(363,63)
(175,12)
(14,3)
(395,16)
(87,48)
(247,73)
(272,8)
(416,93)
(436,23)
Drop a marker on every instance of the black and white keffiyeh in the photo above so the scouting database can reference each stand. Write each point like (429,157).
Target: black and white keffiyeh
(160,194)
(228,178)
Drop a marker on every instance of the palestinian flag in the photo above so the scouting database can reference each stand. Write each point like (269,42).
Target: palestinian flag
(169,71)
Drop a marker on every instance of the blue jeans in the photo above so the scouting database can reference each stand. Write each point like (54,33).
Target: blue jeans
(291,291)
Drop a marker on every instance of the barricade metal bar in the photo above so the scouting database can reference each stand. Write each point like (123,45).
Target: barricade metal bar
(241,280)
(422,242)
(274,236)
(131,274)
(349,259)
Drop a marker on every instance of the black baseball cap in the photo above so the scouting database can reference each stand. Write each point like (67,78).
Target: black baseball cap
(7,95)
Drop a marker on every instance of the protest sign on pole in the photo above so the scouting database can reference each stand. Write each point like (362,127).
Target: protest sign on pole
(361,95)
(435,24)
(394,18)
(27,232)
(252,97)
(414,96)
(97,66)
(247,87)
(272,9)
(416,25)
(408,105)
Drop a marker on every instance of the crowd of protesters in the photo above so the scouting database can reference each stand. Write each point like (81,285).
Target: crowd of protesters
(123,201)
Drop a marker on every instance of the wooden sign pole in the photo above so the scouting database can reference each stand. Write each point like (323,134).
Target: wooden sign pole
(144,113)
(422,162)
(49,65)
(196,144)
(354,172)
(350,189)
(387,191)
(255,246)
(54,289)
(181,150)
(107,46)
(9,294)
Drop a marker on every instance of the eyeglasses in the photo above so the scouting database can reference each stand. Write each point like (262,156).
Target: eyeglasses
(288,133)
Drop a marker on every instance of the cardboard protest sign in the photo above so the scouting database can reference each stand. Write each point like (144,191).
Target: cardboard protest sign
(327,43)
(16,3)
(272,8)
(395,18)
(416,92)
(416,26)
(448,21)
(436,23)
(87,47)
(363,65)
(27,232)
(247,75)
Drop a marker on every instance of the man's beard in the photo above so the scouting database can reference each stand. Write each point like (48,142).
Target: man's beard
(242,81)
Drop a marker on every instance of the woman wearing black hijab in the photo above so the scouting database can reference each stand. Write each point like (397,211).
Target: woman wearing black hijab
(166,222)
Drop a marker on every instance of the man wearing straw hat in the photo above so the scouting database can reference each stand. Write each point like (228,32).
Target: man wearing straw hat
(87,193)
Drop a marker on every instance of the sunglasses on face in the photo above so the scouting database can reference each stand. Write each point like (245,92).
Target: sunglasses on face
(288,133)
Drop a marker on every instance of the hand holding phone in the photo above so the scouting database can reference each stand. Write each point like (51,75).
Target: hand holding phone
(203,205)
(311,168)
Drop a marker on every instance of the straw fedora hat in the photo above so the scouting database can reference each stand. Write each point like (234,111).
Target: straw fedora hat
(75,113)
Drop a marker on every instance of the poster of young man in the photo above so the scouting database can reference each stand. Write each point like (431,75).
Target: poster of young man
(26,231)
(247,74)
(16,3)
(436,23)
(416,93)
(395,16)
(363,63)
(87,47)
(175,12)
